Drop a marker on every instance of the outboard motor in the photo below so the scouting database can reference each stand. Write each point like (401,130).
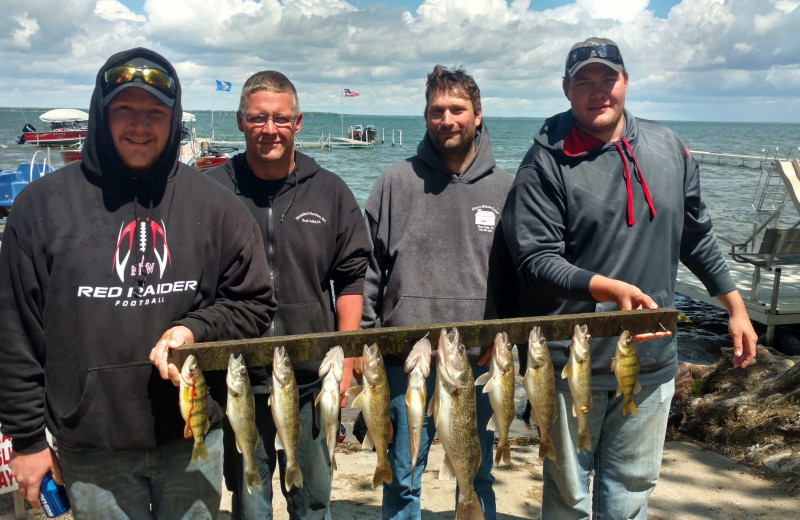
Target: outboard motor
(25,129)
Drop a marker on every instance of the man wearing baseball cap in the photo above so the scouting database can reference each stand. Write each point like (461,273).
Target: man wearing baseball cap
(603,207)
(107,264)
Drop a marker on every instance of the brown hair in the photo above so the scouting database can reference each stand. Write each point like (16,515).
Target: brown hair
(271,81)
(442,79)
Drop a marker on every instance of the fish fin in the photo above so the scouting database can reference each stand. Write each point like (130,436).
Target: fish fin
(413,470)
(446,472)
(391,432)
(619,390)
(269,400)
(278,443)
(238,448)
(187,432)
(333,463)
(492,425)
(483,378)
(547,449)
(368,443)
(584,440)
(199,451)
(637,388)
(354,390)
(253,480)
(489,385)
(565,371)
(358,402)
(629,406)
(470,510)
(294,477)
(507,454)
(613,364)
(433,406)
(383,473)
(318,399)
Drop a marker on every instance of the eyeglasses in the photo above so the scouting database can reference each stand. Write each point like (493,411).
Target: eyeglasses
(126,74)
(278,120)
(607,52)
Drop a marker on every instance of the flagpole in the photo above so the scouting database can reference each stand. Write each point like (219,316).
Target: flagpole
(341,107)
(212,111)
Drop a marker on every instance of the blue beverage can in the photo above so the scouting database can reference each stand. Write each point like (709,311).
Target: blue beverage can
(53,497)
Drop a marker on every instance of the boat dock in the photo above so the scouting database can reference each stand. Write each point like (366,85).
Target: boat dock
(333,142)
(786,311)
(701,157)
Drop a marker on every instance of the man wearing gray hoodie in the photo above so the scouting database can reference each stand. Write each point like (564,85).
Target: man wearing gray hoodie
(432,219)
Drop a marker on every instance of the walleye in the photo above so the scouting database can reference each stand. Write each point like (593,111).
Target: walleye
(194,406)
(452,408)
(499,384)
(418,368)
(373,399)
(626,367)
(284,402)
(578,373)
(241,412)
(332,371)
(539,383)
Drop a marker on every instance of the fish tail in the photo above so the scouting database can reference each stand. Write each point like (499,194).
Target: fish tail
(507,454)
(253,479)
(629,406)
(503,452)
(199,451)
(333,463)
(547,449)
(413,469)
(294,477)
(584,439)
(470,509)
(383,473)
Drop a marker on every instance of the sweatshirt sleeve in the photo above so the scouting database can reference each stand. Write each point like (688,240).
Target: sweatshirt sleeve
(352,249)
(534,219)
(244,303)
(699,250)
(22,286)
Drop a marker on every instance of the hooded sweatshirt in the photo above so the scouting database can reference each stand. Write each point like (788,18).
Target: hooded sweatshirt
(314,235)
(628,210)
(97,262)
(432,232)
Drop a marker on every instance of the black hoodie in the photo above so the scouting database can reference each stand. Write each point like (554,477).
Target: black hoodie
(95,265)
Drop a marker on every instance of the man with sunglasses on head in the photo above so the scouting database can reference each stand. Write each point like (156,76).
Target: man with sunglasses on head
(106,265)
(603,207)
(317,248)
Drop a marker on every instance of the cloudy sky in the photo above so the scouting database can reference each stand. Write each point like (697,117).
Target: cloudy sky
(717,60)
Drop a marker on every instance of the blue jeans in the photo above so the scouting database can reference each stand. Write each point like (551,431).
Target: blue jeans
(626,456)
(312,502)
(107,485)
(400,502)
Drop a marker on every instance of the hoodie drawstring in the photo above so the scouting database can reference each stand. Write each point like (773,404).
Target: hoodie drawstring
(639,176)
(294,195)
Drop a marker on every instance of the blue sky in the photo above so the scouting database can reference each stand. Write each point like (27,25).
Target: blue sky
(719,60)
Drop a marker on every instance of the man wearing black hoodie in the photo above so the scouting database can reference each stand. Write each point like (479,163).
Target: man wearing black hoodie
(315,237)
(99,259)
(588,233)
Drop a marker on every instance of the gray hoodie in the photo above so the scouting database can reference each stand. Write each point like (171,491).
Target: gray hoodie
(432,231)
(628,210)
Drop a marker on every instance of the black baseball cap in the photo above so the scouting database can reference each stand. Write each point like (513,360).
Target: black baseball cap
(593,50)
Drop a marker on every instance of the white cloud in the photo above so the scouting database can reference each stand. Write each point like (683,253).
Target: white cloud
(706,50)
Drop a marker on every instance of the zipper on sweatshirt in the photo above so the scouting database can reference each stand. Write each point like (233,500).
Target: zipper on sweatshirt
(271,250)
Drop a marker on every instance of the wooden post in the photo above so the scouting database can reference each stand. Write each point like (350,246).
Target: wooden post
(19,506)
(400,340)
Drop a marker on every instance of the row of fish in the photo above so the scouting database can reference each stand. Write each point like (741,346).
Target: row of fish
(452,406)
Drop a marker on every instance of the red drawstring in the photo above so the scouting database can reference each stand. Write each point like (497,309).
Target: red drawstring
(646,191)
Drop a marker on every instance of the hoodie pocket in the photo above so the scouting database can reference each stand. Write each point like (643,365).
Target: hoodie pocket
(413,310)
(114,412)
(299,318)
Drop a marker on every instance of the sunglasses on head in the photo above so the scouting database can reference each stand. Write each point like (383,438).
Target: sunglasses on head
(607,52)
(126,74)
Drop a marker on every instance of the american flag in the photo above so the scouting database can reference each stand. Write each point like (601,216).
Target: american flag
(348,92)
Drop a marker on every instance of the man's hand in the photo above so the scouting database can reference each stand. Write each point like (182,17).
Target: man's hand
(29,470)
(173,338)
(627,297)
(742,333)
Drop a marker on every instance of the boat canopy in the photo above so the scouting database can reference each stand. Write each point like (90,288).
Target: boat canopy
(64,115)
(188,118)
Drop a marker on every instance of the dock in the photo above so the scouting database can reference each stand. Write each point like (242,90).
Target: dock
(786,311)
(333,142)
(701,157)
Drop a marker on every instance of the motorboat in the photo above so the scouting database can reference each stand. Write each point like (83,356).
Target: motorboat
(12,182)
(66,126)
(201,153)
(362,133)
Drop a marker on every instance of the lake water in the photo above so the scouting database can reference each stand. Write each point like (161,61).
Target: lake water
(728,187)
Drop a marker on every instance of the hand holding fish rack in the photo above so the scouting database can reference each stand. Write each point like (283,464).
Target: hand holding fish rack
(400,340)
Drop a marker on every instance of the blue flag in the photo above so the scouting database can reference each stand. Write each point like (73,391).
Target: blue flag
(224,86)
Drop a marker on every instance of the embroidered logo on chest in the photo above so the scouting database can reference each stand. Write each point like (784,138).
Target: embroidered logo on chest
(309,217)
